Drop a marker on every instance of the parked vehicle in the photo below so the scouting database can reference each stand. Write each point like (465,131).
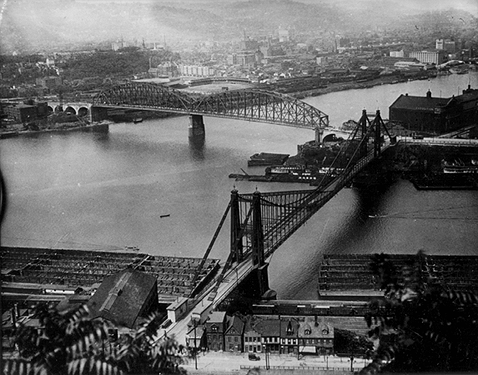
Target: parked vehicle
(254,357)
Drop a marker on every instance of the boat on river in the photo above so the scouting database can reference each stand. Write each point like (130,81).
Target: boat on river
(457,166)
(459,69)
(267,158)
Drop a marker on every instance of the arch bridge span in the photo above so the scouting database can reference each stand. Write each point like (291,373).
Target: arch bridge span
(246,104)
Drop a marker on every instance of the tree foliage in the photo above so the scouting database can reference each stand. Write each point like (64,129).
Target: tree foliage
(70,342)
(349,342)
(126,62)
(422,325)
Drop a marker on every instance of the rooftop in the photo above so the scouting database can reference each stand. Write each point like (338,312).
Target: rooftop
(121,297)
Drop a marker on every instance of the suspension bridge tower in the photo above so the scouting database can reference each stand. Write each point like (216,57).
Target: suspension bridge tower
(257,283)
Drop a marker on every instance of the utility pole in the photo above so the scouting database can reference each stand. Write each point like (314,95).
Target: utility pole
(195,348)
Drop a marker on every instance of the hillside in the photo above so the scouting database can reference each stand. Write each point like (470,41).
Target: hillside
(33,25)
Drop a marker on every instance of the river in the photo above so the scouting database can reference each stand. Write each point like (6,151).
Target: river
(108,191)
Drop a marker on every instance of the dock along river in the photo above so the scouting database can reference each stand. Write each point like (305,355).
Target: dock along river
(146,185)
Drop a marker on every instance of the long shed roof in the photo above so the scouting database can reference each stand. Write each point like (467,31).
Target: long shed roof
(419,102)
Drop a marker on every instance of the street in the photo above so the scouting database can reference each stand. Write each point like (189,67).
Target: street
(225,361)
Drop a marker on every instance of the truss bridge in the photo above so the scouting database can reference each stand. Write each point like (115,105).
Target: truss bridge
(246,104)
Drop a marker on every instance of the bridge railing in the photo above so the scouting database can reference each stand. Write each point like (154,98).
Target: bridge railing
(440,141)
(285,212)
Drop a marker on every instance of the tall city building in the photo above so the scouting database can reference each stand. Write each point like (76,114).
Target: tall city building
(429,57)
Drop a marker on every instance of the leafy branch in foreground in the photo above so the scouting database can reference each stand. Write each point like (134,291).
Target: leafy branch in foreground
(421,325)
(70,342)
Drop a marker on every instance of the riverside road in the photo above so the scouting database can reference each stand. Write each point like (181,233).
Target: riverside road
(212,362)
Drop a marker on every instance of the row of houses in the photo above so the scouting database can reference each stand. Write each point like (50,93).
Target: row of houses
(253,334)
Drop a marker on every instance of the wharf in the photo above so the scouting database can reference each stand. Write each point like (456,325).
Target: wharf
(66,269)
(102,127)
(349,276)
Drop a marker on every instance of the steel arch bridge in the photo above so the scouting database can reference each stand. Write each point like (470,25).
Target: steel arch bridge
(247,104)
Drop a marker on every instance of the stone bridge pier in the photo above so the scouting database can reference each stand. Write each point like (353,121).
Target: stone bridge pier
(196,127)
(98,114)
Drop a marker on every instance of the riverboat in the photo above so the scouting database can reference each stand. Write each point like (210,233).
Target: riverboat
(459,167)
(283,169)
(138,120)
(459,69)
(294,173)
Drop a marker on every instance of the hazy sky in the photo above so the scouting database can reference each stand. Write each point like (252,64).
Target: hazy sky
(30,24)
(468,5)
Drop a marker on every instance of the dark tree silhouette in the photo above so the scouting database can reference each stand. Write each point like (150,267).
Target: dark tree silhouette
(70,342)
(421,324)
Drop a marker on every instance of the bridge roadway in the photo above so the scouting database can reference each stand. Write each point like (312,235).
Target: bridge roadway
(211,298)
(246,104)
(437,141)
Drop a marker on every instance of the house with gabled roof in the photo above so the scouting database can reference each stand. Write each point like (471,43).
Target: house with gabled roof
(289,335)
(215,329)
(234,335)
(269,329)
(125,298)
(316,336)
(252,337)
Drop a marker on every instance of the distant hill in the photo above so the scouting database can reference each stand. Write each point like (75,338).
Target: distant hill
(35,25)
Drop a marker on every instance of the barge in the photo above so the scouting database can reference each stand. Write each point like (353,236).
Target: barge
(445,181)
(350,276)
(267,159)
(72,269)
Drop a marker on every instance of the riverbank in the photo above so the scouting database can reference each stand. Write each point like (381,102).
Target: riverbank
(101,127)
(359,84)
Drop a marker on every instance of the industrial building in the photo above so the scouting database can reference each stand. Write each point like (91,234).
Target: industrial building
(435,115)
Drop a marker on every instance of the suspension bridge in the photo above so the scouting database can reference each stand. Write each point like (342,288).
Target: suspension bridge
(261,222)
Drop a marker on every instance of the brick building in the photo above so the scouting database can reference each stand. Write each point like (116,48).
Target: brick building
(269,329)
(234,334)
(252,338)
(432,115)
(316,336)
(289,336)
(215,329)
(21,112)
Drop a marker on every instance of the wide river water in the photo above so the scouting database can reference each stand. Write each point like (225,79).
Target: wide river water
(108,191)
